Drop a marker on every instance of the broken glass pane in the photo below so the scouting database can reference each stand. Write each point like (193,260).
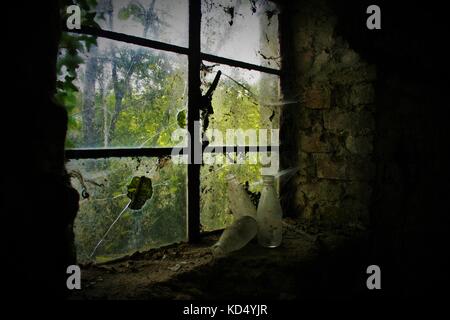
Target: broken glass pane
(243,100)
(160,20)
(105,185)
(127,96)
(241,30)
(215,212)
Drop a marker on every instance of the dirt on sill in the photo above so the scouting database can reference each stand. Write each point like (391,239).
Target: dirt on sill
(189,271)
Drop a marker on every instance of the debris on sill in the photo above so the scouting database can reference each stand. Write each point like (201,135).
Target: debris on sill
(147,275)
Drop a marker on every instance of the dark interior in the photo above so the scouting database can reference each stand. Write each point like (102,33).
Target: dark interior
(393,79)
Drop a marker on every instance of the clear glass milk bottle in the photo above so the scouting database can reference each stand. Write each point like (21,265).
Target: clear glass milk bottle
(236,236)
(269,215)
(239,201)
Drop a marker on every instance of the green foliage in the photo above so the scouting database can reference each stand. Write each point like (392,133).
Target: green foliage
(134,10)
(236,105)
(161,220)
(215,212)
(182,119)
(72,47)
(139,191)
(143,91)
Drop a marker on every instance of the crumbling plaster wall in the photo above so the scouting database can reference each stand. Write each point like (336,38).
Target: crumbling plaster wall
(329,132)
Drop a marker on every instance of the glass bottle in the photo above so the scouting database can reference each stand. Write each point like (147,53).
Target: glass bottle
(269,215)
(239,201)
(236,236)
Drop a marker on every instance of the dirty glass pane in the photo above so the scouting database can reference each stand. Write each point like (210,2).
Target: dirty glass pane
(124,96)
(215,212)
(160,221)
(243,100)
(160,20)
(241,30)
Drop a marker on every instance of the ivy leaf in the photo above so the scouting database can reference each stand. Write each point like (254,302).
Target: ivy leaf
(70,61)
(139,191)
(89,41)
(181,119)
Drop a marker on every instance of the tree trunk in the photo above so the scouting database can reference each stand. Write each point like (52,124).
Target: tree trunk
(118,96)
(121,89)
(88,107)
(104,106)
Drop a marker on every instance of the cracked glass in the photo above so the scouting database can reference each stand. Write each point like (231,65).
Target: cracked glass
(104,185)
(126,96)
(160,20)
(241,30)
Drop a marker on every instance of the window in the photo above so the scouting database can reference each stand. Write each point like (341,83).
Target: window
(138,71)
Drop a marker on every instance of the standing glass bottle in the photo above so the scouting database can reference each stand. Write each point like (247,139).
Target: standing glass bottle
(239,201)
(269,215)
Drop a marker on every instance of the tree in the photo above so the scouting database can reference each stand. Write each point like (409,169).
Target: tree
(123,95)
(88,109)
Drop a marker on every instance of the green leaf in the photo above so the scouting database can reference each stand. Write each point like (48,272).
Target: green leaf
(181,119)
(139,191)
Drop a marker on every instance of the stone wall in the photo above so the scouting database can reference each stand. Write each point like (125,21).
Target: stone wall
(371,132)
(332,124)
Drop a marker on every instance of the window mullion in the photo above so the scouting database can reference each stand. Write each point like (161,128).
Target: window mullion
(193,117)
(143,42)
(122,152)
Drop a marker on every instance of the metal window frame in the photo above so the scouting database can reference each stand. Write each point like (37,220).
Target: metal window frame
(195,58)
